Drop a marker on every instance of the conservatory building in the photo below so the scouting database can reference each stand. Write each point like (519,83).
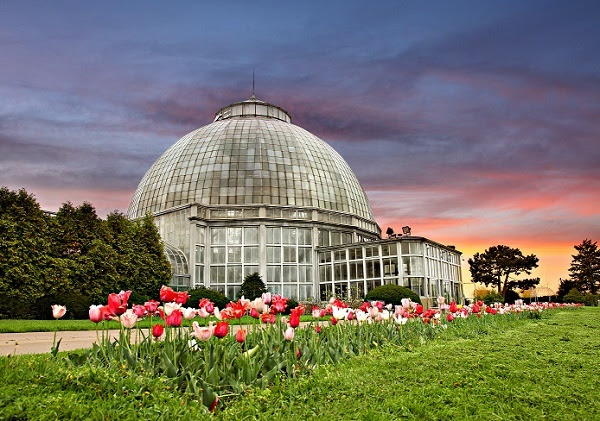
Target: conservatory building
(252,192)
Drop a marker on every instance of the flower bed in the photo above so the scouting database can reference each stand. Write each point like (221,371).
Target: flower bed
(209,362)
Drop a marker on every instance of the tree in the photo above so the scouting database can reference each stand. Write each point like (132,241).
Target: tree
(565,286)
(585,267)
(28,270)
(496,266)
(252,287)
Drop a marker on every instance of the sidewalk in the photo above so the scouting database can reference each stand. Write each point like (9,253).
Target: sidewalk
(41,342)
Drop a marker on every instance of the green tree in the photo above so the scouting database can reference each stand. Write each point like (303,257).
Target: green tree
(28,269)
(585,267)
(252,287)
(497,264)
(565,286)
(574,296)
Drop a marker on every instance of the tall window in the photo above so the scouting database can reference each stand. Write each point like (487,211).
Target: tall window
(233,255)
(289,261)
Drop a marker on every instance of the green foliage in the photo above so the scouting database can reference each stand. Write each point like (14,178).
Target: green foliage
(574,296)
(392,294)
(585,267)
(492,297)
(252,287)
(565,286)
(511,296)
(74,256)
(496,265)
(216,297)
(291,304)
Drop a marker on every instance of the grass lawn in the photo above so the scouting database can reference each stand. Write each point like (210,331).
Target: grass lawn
(546,369)
(504,368)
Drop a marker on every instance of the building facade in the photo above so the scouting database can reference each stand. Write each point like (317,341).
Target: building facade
(252,192)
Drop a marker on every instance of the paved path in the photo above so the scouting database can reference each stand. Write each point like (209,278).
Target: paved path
(41,342)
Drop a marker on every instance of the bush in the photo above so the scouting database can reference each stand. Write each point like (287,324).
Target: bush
(216,297)
(492,297)
(291,304)
(591,299)
(574,296)
(252,287)
(78,306)
(392,294)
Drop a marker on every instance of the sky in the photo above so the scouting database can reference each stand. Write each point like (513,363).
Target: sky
(474,122)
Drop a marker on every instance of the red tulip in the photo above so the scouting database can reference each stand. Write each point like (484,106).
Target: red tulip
(174,319)
(318,329)
(255,314)
(419,309)
(221,329)
(294,320)
(157,330)
(334,321)
(450,317)
(475,308)
(453,307)
(167,294)
(117,303)
(240,335)
(268,318)
(181,297)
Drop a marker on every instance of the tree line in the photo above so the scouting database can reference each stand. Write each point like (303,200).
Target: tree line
(500,267)
(73,257)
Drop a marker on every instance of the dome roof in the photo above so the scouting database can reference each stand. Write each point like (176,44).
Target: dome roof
(251,155)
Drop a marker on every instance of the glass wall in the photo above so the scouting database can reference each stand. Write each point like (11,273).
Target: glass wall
(233,255)
(290,261)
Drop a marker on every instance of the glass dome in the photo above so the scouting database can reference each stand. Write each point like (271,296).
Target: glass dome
(251,155)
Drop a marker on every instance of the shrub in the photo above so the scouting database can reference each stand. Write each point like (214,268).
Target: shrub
(291,304)
(216,297)
(574,296)
(591,299)
(78,306)
(392,294)
(252,287)
(492,297)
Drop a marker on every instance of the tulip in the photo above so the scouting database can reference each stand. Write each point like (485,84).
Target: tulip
(399,319)
(318,329)
(118,302)
(139,310)
(151,306)
(58,311)
(405,303)
(157,330)
(128,319)
(441,300)
(419,309)
(475,308)
(254,313)
(288,334)
(221,329)
(258,305)
(189,313)
(174,319)
(167,294)
(294,320)
(168,308)
(322,313)
(450,317)
(268,318)
(203,313)
(240,335)
(96,315)
(181,297)
(316,312)
(266,298)
(334,321)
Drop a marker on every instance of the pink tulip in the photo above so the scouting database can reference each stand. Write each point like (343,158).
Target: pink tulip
(96,314)
(289,334)
(266,298)
(151,306)
(254,313)
(118,302)
(139,310)
(174,319)
(189,313)
(202,333)
(318,329)
(316,312)
(203,313)
(58,311)
(128,319)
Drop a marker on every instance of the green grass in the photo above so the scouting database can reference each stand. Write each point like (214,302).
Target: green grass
(493,368)
(22,326)
(544,369)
